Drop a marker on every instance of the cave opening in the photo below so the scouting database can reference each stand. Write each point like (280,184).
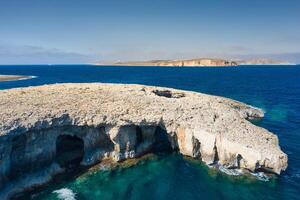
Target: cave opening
(19,164)
(69,151)
(153,139)
(162,143)
(139,135)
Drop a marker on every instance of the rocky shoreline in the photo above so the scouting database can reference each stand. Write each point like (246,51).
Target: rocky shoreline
(14,77)
(47,129)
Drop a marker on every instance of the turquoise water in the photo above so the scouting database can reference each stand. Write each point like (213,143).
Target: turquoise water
(275,89)
(168,177)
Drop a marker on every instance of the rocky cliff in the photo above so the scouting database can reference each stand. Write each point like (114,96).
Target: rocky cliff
(200,62)
(46,129)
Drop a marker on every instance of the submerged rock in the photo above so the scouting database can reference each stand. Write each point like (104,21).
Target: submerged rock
(71,125)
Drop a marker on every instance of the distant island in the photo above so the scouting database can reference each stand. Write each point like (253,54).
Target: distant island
(199,62)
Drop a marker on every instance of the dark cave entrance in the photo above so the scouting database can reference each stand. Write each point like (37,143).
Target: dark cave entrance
(69,151)
(153,139)
(19,164)
(162,143)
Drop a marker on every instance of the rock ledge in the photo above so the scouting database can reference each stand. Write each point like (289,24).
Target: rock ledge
(64,125)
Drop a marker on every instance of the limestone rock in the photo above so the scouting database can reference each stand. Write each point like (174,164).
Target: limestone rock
(86,123)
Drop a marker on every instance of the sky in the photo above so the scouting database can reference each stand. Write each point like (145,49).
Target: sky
(85,31)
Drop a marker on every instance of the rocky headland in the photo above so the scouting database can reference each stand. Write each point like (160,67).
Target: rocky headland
(13,77)
(46,129)
(199,62)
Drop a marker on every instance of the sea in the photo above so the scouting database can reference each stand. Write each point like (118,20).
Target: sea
(275,89)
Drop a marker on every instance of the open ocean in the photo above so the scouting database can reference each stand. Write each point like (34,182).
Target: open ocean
(275,89)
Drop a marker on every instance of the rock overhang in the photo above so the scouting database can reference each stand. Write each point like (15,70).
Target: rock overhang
(199,125)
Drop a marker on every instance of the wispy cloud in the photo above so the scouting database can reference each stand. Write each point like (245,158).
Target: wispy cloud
(293,57)
(28,54)
(239,48)
(239,53)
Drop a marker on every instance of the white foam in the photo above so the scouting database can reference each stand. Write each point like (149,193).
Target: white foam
(26,78)
(65,194)
(261,176)
(231,172)
(237,172)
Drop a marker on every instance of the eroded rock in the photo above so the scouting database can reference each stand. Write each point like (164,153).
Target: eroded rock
(114,121)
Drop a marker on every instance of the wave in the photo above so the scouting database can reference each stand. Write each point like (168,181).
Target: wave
(65,194)
(261,176)
(231,172)
(237,172)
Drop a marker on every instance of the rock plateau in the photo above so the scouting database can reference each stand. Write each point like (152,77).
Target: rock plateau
(45,129)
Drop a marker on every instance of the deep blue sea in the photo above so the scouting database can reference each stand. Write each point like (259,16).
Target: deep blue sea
(275,89)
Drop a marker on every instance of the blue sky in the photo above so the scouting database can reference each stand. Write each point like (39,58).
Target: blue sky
(82,31)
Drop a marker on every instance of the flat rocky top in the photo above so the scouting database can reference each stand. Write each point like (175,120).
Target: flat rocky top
(96,104)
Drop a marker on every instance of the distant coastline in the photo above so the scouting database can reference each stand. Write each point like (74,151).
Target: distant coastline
(14,77)
(199,62)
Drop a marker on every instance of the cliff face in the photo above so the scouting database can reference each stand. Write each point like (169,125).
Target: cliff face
(45,129)
(198,62)
(181,63)
(201,62)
